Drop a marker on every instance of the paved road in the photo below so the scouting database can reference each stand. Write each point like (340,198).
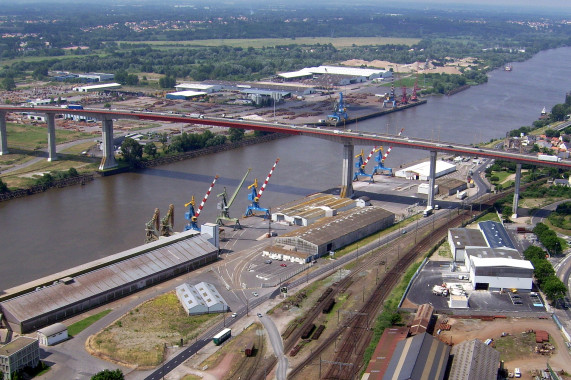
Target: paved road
(277,344)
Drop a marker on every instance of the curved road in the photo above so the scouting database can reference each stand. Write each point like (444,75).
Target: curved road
(277,344)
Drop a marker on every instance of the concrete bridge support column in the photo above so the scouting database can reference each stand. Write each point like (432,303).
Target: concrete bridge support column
(52,154)
(516,191)
(3,134)
(431,178)
(108,160)
(346,175)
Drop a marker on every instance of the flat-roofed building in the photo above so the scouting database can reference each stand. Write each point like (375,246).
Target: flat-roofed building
(474,360)
(335,232)
(312,208)
(198,87)
(383,352)
(450,186)
(98,87)
(460,239)
(53,334)
(417,358)
(421,171)
(20,353)
(500,273)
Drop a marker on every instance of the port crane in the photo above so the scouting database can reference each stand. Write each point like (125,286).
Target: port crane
(339,111)
(255,196)
(191,215)
(167,223)
(380,158)
(152,227)
(224,205)
(360,166)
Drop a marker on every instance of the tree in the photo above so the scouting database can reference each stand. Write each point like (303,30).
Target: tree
(108,375)
(236,134)
(3,189)
(150,149)
(167,82)
(558,112)
(543,270)
(131,151)
(8,83)
(553,288)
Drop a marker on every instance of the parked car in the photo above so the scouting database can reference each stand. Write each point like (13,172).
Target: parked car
(255,294)
(268,261)
(259,315)
(283,265)
(234,315)
(517,372)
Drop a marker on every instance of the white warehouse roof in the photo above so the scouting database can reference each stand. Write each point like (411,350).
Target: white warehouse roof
(335,70)
(200,298)
(96,87)
(186,94)
(197,86)
(423,169)
(501,262)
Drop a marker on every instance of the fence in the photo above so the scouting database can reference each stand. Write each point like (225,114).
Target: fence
(412,280)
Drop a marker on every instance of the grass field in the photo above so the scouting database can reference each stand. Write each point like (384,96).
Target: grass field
(36,137)
(341,42)
(78,327)
(139,337)
(515,346)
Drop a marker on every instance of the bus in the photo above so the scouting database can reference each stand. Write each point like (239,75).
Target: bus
(221,336)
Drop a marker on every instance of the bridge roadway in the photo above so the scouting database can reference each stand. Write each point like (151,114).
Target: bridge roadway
(347,137)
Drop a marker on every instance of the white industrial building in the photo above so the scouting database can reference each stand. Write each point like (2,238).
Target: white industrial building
(490,257)
(424,188)
(286,253)
(97,87)
(422,171)
(201,298)
(198,87)
(53,334)
(312,208)
(96,77)
(185,95)
(355,72)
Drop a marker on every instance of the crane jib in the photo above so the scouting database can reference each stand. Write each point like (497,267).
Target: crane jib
(267,179)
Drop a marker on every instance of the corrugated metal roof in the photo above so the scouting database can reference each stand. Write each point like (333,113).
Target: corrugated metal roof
(53,329)
(60,295)
(495,234)
(488,253)
(464,237)
(501,262)
(322,231)
(474,360)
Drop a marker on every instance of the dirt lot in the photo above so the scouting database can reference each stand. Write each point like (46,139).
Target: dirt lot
(518,351)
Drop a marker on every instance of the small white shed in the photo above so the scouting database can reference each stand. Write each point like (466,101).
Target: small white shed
(53,334)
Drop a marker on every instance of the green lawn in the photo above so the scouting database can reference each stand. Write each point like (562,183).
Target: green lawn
(36,137)
(79,326)
(340,42)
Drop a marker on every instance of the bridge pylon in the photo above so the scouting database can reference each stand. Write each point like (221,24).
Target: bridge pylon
(3,135)
(346,175)
(108,160)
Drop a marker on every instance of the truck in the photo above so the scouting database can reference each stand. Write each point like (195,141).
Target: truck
(73,106)
(461,194)
(427,211)
(546,157)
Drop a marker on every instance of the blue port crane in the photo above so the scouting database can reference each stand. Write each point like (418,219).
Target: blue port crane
(224,205)
(339,111)
(255,196)
(361,164)
(191,215)
(380,158)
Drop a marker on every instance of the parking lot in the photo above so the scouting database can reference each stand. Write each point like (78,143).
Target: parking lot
(438,273)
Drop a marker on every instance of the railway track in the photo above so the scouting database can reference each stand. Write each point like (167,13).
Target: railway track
(354,333)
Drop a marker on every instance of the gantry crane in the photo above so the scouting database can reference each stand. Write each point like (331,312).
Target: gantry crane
(224,205)
(167,223)
(380,158)
(339,111)
(152,227)
(360,166)
(255,196)
(192,216)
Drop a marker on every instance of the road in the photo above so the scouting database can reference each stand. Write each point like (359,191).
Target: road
(277,344)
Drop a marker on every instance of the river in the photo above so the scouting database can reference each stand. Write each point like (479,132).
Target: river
(59,229)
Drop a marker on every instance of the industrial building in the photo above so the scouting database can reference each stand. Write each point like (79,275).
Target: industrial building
(450,186)
(383,352)
(97,87)
(350,72)
(338,231)
(285,253)
(422,171)
(474,360)
(422,319)
(312,208)
(50,335)
(108,279)
(265,97)
(460,238)
(490,257)
(198,87)
(20,353)
(419,357)
(185,95)
(202,298)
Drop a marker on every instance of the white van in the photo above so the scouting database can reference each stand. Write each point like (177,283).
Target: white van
(517,372)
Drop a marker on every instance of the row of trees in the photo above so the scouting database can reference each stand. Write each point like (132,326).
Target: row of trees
(560,217)
(544,273)
(548,238)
